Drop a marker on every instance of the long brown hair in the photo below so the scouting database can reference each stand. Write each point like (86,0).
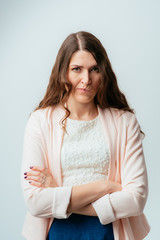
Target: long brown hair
(59,88)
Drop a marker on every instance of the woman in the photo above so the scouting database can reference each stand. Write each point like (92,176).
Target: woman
(83,171)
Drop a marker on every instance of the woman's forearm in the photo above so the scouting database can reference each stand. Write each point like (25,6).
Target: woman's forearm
(85,194)
(87,210)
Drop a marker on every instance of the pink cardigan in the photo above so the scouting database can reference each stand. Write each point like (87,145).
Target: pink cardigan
(42,147)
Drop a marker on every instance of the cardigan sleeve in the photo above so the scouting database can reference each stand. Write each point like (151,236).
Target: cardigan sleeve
(41,202)
(131,200)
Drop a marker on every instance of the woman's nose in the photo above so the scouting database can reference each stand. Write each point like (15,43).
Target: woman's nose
(86,78)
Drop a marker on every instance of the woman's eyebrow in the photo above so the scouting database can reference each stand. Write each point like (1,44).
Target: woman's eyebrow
(76,65)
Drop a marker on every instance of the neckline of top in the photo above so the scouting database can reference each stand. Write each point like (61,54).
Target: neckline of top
(83,121)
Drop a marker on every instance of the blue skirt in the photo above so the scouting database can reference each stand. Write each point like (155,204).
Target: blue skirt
(80,227)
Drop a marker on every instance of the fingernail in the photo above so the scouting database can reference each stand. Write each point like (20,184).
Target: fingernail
(30,181)
(31,167)
(25,177)
(25,173)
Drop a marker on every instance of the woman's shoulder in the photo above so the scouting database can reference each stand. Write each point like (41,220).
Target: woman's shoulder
(38,115)
(120,116)
(119,113)
(40,112)
(46,115)
(45,112)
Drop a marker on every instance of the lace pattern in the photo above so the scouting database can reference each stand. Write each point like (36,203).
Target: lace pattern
(84,153)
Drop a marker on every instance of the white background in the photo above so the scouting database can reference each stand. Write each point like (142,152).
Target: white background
(31,33)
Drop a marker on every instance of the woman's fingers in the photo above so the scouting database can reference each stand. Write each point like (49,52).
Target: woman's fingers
(37,168)
(37,171)
(114,186)
(40,177)
(36,184)
(38,181)
(33,173)
(36,174)
(34,178)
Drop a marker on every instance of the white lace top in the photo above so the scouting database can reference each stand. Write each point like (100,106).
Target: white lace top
(85,153)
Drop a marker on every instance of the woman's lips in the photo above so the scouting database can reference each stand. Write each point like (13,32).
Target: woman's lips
(83,90)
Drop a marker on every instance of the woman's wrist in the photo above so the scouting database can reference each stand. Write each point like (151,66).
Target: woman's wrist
(87,210)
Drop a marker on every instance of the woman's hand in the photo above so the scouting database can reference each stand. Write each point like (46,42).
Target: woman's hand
(40,177)
(113,186)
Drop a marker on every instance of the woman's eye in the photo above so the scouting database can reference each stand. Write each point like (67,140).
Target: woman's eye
(76,69)
(95,69)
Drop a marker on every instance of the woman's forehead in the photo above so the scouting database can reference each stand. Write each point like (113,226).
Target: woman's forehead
(81,58)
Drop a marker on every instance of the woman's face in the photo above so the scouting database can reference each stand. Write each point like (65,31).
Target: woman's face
(84,76)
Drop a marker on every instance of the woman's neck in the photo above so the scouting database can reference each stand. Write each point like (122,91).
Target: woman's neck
(82,111)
